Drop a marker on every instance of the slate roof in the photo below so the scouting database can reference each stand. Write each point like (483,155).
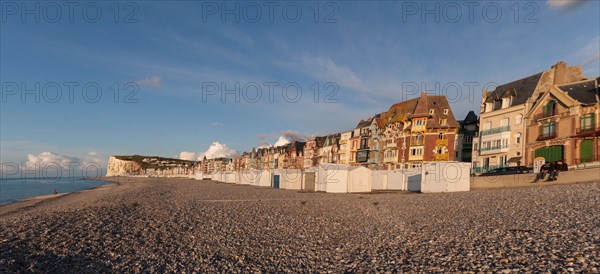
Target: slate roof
(471,118)
(585,91)
(521,89)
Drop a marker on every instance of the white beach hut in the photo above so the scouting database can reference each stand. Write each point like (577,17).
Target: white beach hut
(309,179)
(334,178)
(359,179)
(379,179)
(445,177)
(230,177)
(198,175)
(291,179)
(217,176)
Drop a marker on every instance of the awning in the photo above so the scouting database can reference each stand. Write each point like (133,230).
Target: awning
(514,160)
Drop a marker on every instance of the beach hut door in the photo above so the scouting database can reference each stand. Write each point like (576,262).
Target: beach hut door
(275,181)
(310,181)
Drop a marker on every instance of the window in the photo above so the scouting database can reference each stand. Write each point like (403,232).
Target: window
(502,160)
(506,102)
(441,135)
(549,129)
(518,138)
(489,107)
(550,109)
(505,122)
(487,125)
(445,111)
(443,121)
(439,150)
(420,122)
(518,119)
(431,111)
(468,139)
(416,151)
(587,121)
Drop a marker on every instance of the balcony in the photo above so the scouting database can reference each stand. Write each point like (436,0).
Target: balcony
(389,145)
(544,115)
(415,157)
(493,148)
(586,130)
(417,141)
(495,130)
(546,136)
(440,157)
(441,142)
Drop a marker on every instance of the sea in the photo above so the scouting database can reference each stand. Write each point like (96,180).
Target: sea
(12,190)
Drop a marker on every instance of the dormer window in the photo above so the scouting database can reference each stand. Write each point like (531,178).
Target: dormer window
(445,111)
(431,111)
(489,107)
(443,121)
(506,102)
(550,109)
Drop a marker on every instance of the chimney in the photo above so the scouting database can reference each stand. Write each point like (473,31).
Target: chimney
(560,73)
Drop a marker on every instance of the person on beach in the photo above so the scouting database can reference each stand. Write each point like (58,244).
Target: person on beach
(542,173)
(553,171)
(560,166)
(54,191)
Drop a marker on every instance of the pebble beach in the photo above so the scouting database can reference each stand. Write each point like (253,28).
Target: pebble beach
(181,225)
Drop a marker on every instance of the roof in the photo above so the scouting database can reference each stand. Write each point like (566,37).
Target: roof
(586,91)
(521,89)
(471,118)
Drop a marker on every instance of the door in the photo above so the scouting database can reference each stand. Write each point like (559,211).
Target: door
(275,181)
(587,151)
(309,181)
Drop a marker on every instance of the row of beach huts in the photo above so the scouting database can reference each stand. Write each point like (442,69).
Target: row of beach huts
(437,177)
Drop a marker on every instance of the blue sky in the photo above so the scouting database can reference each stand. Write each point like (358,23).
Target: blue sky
(364,55)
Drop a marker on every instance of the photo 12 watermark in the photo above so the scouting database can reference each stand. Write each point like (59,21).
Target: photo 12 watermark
(469,91)
(269,12)
(269,92)
(470,11)
(50,170)
(122,12)
(69,92)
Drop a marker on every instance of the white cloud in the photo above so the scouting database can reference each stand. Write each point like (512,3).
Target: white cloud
(216,150)
(53,164)
(216,124)
(565,4)
(188,155)
(285,137)
(153,81)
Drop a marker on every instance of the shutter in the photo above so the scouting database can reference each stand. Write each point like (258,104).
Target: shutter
(587,151)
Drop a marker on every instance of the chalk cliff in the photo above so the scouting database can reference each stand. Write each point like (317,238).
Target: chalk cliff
(118,167)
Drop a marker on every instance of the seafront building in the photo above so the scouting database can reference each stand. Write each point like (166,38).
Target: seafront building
(468,129)
(563,124)
(505,115)
(554,114)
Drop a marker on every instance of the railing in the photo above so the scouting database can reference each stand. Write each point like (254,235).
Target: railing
(415,157)
(480,169)
(390,144)
(544,115)
(546,136)
(417,141)
(495,130)
(587,130)
(441,142)
(391,159)
(494,147)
